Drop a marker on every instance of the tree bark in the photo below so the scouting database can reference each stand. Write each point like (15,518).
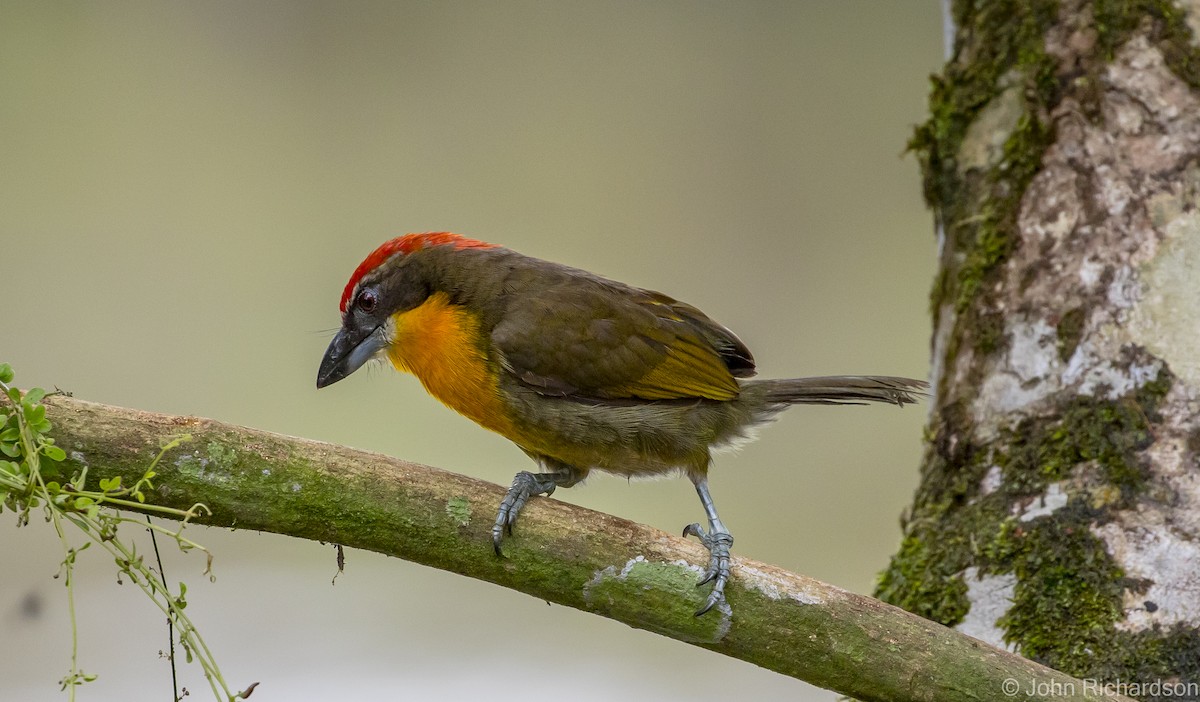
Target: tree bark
(1059,507)
(573,556)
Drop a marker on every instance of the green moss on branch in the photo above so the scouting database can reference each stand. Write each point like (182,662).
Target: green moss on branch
(561,553)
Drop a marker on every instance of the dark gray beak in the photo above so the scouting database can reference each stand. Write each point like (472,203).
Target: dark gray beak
(348,351)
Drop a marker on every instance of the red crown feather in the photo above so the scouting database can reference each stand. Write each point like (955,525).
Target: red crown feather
(405,245)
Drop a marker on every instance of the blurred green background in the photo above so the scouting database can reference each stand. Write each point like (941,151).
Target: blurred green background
(186,186)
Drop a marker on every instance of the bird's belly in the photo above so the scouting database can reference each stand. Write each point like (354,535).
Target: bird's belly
(632,440)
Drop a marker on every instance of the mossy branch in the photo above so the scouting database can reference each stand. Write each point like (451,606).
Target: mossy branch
(634,574)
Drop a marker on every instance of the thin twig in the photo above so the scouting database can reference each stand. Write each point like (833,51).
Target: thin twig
(162,573)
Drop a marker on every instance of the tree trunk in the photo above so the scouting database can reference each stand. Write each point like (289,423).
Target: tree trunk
(1059,506)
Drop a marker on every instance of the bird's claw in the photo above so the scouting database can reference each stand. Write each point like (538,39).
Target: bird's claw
(718,544)
(524,486)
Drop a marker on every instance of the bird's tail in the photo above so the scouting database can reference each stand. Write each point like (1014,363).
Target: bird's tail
(837,390)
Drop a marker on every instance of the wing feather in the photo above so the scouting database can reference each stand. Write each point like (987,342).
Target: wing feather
(589,338)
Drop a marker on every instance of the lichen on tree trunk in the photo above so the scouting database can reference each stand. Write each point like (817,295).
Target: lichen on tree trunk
(1059,506)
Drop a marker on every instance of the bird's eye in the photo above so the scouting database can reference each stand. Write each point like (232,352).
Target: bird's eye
(366,301)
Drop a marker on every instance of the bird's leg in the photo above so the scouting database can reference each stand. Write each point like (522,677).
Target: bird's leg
(717,541)
(524,486)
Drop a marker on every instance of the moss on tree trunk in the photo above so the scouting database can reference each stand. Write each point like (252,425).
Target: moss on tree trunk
(1059,506)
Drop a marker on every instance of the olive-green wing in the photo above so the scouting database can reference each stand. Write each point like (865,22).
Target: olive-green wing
(736,357)
(589,339)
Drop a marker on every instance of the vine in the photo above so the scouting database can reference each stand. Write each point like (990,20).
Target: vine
(28,458)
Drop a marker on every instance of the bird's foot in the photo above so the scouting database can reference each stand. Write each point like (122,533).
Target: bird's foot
(717,543)
(524,486)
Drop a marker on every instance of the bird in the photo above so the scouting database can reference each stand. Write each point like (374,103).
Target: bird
(581,372)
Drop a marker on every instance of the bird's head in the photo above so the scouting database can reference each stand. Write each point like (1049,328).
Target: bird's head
(388,281)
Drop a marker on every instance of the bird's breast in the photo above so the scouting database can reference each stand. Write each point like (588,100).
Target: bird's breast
(441,344)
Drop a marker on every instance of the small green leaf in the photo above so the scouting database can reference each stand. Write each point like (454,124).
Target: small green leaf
(6,373)
(10,434)
(53,488)
(14,395)
(35,395)
(10,450)
(33,413)
(110,484)
(82,503)
(41,426)
(54,453)
(140,496)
